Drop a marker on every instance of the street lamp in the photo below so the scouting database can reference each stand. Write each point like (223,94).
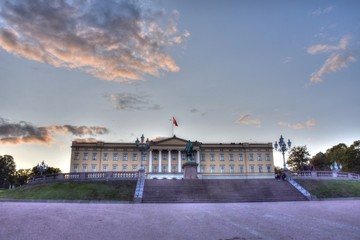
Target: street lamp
(143,147)
(282,148)
(42,168)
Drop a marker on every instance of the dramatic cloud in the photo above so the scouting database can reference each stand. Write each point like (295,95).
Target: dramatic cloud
(114,40)
(248,120)
(23,132)
(308,124)
(339,58)
(131,101)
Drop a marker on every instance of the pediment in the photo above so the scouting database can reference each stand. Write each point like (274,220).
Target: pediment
(174,141)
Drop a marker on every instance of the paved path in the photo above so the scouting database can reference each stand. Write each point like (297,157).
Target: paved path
(235,221)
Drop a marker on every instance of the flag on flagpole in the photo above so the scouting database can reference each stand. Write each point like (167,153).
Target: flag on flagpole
(174,122)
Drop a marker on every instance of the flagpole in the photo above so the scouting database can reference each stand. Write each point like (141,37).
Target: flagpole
(172,127)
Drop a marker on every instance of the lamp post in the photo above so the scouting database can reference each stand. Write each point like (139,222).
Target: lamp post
(282,148)
(143,147)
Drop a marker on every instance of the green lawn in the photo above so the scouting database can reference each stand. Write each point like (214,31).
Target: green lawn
(331,188)
(96,191)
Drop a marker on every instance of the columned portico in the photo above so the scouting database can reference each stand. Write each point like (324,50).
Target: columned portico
(198,160)
(160,160)
(150,161)
(169,161)
(179,161)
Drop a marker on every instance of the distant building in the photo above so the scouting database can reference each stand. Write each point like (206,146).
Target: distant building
(165,158)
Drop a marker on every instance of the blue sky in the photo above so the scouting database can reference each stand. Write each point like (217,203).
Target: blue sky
(228,71)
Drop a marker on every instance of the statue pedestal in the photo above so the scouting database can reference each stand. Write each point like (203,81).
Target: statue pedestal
(190,170)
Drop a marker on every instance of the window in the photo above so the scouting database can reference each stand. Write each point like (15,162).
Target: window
(76,168)
(115,157)
(212,169)
(94,156)
(156,156)
(93,167)
(240,157)
(183,156)
(124,167)
(231,157)
(115,167)
(164,168)
(251,157)
(232,168)
(173,168)
(202,169)
(267,157)
(212,157)
(221,157)
(134,167)
(260,168)
(164,157)
(144,157)
(125,156)
(252,168)
(105,167)
(259,157)
(203,157)
(106,156)
(268,167)
(241,168)
(77,156)
(84,167)
(155,169)
(173,157)
(222,168)
(134,156)
(86,156)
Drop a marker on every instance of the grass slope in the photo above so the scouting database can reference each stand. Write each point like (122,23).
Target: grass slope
(331,188)
(96,191)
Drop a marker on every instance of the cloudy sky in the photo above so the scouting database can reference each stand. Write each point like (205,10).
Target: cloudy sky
(228,71)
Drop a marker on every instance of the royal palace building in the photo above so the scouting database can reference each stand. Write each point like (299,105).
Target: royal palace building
(165,158)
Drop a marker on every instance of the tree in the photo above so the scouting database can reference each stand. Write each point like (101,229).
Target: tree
(337,153)
(353,162)
(298,158)
(7,170)
(22,176)
(320,162)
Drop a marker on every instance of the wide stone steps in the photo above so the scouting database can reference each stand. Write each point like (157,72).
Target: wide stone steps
(224,190)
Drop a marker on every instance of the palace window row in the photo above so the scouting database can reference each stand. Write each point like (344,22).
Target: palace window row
(173,156)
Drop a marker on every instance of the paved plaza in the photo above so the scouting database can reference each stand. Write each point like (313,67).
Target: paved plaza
(338,219)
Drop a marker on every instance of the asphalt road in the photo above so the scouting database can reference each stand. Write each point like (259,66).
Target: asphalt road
(276,220)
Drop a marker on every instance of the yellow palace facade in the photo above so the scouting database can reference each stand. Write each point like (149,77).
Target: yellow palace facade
(165,158)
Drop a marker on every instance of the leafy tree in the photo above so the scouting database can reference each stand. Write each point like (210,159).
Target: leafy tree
(7,170)
(338,153)
(320,162)
(22,176)
(353,162)
(298,158)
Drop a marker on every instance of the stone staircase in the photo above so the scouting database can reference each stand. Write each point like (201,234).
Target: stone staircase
(224,190)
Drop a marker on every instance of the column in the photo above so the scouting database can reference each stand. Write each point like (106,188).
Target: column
(198,160)
(179,161)
(169,161)
(150,161)
(160,159)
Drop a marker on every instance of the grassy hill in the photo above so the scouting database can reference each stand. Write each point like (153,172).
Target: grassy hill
(331,188)
(95,191)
